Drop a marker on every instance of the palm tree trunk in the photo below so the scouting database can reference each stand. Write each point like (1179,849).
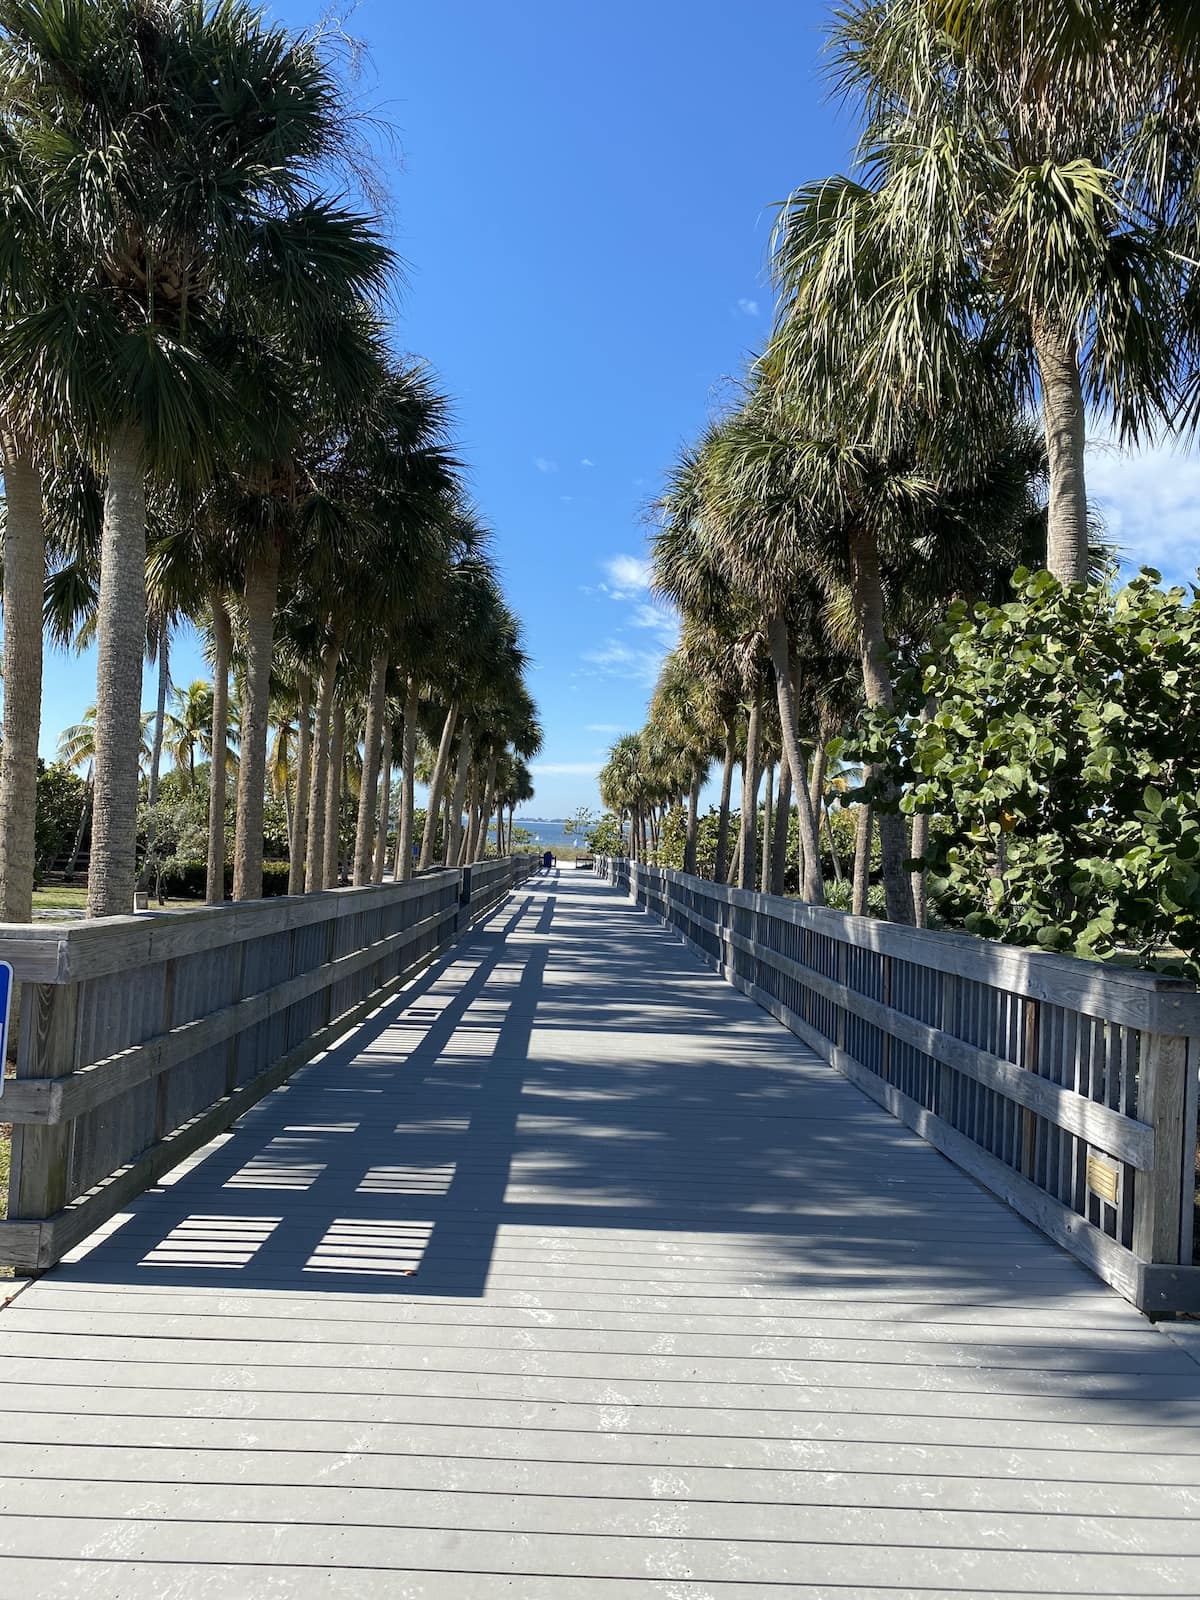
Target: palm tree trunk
(735,866)
(24,565)
(385,803)
(457,840)
(723,812)
(485,807)
(404,861)
(863,830)
(812,887)
(161,638)
(867,595)
(437,784)
(919,841)
(838,872)
(121,639)
(768,836)
(783,827)
(919,844)
(751,778)
(262,594)
(333,795)
(314,854)
(214,889)
(693,822)
(816,800)
(298,838)
(1065,419)
(368,793)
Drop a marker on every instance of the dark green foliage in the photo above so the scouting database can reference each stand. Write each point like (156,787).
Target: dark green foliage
(60,801)
(606,837)
(187,880)
(1062,764)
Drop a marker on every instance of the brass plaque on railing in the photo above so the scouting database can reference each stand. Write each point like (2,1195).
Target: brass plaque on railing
(1103,1178)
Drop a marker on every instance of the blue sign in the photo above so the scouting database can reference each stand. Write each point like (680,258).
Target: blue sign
(6,989)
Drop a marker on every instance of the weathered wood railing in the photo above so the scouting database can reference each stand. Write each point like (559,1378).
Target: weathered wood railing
(1067,1087)
(142,1037)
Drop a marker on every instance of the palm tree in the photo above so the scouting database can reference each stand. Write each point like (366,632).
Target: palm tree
(30,256)
(995,241)
(411,479)
(686,710)
(624,788)
(190,728)
(468,626)
(77,748)
(204,131)
(736,537)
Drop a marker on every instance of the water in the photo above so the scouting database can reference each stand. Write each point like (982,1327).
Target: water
(549,835)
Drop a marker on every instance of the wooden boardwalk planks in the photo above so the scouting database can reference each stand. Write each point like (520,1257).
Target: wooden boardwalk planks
(572,1275)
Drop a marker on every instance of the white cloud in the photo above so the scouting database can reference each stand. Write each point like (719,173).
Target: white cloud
(616,659)
(1150,499)
(626,575)
(543,465)
(748,308)
(604,727)
(650,616)
(586,463)
(565,769)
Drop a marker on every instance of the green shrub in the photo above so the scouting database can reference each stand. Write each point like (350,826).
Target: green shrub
(188,880)
(1060,764)
(840,897)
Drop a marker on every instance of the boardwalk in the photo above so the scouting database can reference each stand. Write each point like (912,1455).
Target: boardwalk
(575,1278)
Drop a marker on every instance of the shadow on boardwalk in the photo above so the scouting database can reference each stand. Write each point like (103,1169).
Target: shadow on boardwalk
(573,1275)
(572,1067)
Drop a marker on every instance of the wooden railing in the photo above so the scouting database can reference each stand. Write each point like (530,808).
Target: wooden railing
(142,1037)
(1067,1087)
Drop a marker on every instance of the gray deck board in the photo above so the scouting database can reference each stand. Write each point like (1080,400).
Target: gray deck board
(571,1274)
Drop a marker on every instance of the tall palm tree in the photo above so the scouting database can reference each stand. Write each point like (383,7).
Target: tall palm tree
(686,709)
(205,133)
(190,728)
(994,241)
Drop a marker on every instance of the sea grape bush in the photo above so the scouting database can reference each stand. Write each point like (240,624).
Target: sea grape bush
(1059,751)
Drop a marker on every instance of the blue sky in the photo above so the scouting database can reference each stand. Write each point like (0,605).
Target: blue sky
(583,195)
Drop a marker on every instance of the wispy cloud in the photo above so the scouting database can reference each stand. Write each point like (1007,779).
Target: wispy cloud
(627,575)
(617,659)
(544,465)
(604,727)
(586,463)
(1150,499)
(565,769)
(748,308)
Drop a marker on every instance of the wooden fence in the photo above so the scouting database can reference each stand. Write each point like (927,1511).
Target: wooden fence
(1067,1087)
(142,1037)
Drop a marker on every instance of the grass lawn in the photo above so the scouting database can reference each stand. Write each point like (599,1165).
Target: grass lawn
(60,897)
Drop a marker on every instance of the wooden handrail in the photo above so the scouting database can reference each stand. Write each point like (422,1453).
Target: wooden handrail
(142,1037)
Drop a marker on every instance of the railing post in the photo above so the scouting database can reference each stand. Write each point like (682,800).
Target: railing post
(1159,1194)
(1032,1022)
(947,1018)
(41,1152)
